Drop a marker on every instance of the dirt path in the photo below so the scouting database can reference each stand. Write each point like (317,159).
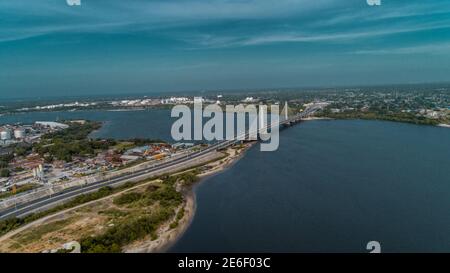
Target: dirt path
(57,215)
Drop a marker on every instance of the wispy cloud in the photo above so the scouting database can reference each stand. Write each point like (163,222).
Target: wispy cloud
(392,12)
(49,16)
(293,37)
(441,48)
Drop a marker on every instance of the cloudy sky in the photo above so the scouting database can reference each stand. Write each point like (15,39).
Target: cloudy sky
(134,46)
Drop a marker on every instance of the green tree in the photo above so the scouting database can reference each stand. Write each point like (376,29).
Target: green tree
(3,164)
(4,173)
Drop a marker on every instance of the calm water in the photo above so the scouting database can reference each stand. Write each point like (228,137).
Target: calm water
(332,186)
(155,123)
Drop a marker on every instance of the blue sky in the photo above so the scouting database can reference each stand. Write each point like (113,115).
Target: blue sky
(137,46)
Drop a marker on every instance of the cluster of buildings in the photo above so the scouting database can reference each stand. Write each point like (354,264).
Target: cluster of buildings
(433,104)
(13,134)
(250,100)
(176,100)
(32,168)
(110,159)
(156,151)
(59,106)
(135,103)
(125,103)
(435,113)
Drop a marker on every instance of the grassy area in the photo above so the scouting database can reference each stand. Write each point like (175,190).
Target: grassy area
(38,232)
(124,145)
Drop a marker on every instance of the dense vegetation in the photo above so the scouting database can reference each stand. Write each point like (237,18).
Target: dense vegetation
(76,131)
(189,178)
(164,199)
(4,163)
(4,172)
(376,115)
(73,141)
(21,150)
(127,198)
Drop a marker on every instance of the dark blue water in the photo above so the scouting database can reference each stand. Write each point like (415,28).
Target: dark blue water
(332,186)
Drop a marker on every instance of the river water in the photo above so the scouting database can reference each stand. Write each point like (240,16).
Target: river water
(154,123)
(332,186)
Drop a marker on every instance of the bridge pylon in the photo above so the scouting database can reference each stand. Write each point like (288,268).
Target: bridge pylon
(286,113)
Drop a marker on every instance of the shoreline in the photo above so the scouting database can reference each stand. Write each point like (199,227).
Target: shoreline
(440,125)
(169,237)
(317,118)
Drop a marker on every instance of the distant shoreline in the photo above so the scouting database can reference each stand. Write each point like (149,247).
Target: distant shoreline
(140,109)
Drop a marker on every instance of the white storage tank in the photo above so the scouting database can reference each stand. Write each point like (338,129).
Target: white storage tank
(5,134)
(19,133)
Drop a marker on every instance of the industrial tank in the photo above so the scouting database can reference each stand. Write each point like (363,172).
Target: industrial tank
(19,133)
(5,134)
